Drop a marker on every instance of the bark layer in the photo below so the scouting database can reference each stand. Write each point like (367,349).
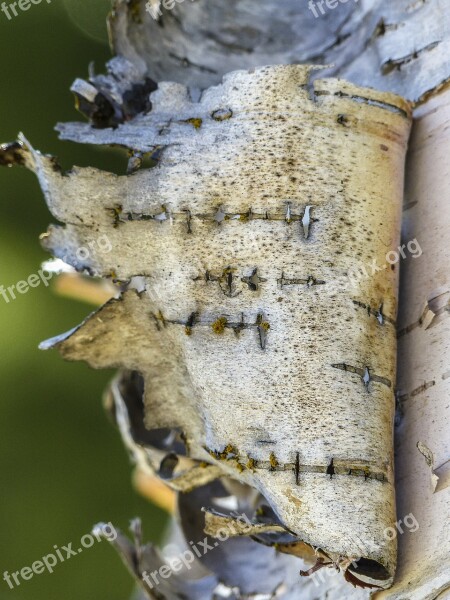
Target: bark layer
(422,435)
(400,46)
(251,247)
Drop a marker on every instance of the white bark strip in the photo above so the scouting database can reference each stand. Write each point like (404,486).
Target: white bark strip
(423,442)
(257,346)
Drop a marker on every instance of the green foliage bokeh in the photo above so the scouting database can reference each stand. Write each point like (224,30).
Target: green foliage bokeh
(62,464)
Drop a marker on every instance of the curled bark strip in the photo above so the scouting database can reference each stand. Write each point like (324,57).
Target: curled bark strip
(187,340)
(400,46)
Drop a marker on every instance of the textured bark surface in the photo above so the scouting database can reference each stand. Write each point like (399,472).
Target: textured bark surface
(400,46)
(423,466)
(267,190)
(250,248)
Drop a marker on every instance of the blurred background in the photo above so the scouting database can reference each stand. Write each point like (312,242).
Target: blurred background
(63,466)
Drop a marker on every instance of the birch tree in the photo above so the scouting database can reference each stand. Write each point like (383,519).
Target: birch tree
(256,268)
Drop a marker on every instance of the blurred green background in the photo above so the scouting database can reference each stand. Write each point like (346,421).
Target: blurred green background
(63,466)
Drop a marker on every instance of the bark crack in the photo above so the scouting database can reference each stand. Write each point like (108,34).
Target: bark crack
(219,217)
(217,325)
(354,468)
(364,373)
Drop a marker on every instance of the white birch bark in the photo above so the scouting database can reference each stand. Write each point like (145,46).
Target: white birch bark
(400,47)
(250,247)
(423,465)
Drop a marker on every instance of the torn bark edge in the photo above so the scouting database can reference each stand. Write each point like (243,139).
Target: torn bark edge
(194,474)
(110,105)
(358,571)
(180,473)
(20,152)
(439,476)
(141,560)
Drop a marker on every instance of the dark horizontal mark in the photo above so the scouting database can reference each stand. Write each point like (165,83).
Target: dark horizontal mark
(228,281)
(353,468)
(183,60)
(395,64)
(377,313)
(364,373)
(217,326)
(363,100)
(196,122)
(409,328)
(416,392)
(308,281)
(219,216)
(428,316)
(409,205)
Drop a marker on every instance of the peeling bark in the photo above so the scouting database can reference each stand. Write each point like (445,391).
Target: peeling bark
(238,244)
(288,421)
(400,46)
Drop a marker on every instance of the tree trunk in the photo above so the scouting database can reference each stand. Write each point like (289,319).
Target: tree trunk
(256,323)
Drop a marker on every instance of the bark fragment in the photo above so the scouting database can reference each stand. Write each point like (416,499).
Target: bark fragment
(400,46)
(319,196)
